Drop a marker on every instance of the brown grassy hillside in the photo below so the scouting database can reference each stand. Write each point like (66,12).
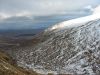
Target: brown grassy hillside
(7,67)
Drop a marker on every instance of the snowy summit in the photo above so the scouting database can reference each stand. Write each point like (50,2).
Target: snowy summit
(73,49)
(73,22)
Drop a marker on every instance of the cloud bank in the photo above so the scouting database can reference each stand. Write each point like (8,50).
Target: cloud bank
(97,10)
(44,7)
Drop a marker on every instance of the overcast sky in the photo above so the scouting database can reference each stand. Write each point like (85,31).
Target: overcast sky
(9,9)
(45,7)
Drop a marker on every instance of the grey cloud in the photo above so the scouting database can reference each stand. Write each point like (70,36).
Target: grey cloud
(44,7)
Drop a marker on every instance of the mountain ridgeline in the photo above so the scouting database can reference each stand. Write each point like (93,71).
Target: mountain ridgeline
(69,50)
(70,47)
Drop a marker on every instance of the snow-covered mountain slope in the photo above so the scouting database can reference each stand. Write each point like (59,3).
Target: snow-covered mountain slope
(78,21)
(71,47)
(73,50)
(74,22)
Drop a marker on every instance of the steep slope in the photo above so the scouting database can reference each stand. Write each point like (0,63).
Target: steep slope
(74,50)
(71,47)
(8,67)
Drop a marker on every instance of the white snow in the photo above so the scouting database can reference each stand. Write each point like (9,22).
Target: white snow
(78,21)
(97,10)
(73,50)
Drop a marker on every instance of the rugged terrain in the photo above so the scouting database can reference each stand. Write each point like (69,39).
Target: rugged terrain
(9,67)
(71,50)
(71,47)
